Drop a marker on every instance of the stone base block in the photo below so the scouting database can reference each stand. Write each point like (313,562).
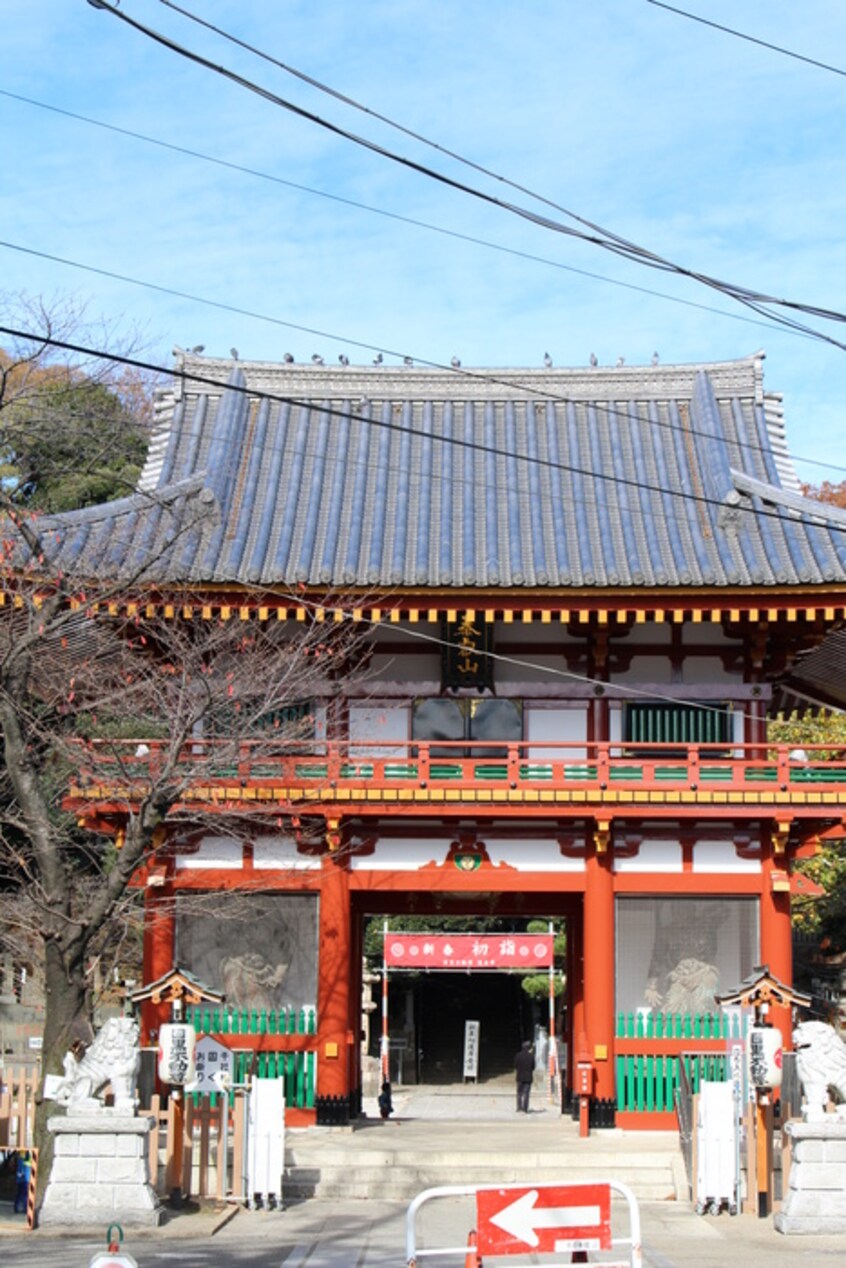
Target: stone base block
(100,1172)
(816,1196)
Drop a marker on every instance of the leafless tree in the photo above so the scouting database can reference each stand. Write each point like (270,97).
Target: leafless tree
(119,705)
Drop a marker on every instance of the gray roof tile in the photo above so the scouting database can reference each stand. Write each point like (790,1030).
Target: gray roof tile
(488,479)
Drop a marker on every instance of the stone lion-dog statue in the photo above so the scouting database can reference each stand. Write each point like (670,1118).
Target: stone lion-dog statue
(113,1058)
(821,1066)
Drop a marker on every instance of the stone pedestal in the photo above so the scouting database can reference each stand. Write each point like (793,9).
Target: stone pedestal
(100,1171)
(816,1197)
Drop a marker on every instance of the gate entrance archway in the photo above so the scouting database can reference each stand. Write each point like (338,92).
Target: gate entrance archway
(454,1011)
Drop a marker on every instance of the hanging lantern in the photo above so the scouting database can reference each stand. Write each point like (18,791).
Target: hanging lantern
(764,1055)
(177,1041)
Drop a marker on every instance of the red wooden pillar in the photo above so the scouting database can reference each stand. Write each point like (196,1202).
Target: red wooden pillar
(776,938)
(599,965)
(159,949)
(575,993)
(334,976)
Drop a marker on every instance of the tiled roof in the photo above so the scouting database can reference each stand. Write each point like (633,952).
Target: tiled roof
(341,476)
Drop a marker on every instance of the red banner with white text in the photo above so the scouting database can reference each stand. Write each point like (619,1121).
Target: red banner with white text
(529,951)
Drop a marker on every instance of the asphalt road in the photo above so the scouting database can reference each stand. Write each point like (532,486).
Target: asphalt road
(372,1234)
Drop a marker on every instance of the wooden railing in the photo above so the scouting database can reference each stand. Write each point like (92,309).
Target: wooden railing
(341,772)
(200,1152)
(17,1106)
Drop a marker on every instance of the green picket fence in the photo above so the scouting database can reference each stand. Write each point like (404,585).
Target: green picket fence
(647,1082)
(273,1021)
(652,1025)
(298,1069)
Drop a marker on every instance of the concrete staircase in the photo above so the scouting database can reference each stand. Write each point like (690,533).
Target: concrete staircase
(473,1138)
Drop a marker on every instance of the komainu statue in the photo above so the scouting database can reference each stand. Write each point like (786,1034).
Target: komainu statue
(821,1065)
(113,1058)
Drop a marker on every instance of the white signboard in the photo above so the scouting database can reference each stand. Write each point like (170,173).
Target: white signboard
(212,1058)
(471,1049)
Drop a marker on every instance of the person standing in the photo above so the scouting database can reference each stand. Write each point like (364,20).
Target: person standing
(524,1066)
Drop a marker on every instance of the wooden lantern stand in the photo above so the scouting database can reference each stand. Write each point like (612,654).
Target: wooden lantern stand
(762,991)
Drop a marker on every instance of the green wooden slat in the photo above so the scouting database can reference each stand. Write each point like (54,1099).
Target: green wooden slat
(536,770)
(443,770)
(401,770)
(490,771)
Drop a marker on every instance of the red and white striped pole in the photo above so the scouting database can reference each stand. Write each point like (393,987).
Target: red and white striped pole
(385,1051)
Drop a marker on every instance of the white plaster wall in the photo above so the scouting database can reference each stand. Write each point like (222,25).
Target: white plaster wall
(543,667)
(653,856)
(415,665)
(380,724)
(541,855)
(280,853)
(401,854)
(646,669)
(708,669)
(720,857)
(548,726)
(219,852)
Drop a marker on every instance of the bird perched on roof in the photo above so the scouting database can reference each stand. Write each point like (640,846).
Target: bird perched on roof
(655,358)
(455,362)
(288,358)
(594,359)
(344,359)
(199,347)
(316,358)
(547,360)
(620,361)
(233,352)
(409,361)
(378,359)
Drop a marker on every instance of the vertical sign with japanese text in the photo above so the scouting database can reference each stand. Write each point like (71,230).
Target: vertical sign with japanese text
(467,662)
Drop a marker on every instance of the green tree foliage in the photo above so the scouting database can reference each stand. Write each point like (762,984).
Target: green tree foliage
(827,915)
(68,440)
(536,985)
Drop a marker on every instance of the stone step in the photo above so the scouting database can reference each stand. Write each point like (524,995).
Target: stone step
(402,1183)
(332,1171)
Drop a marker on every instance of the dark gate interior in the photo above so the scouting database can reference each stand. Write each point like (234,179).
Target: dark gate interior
(442,1004)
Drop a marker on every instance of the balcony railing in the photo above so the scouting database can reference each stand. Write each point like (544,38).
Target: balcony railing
(343,772)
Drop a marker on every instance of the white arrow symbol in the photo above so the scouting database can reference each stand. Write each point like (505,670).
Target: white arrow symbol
(520,1218)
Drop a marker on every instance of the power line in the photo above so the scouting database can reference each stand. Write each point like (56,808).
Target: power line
(385,425)
(756,301)
(460,371)
(751,39)
(392,215)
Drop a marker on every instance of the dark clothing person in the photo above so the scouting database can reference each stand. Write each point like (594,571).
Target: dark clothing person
(524,1066)
(386,1105)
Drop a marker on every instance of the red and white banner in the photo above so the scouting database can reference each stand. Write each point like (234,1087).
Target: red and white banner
(468,951)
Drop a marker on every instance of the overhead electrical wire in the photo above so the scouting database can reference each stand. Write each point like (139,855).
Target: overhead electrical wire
(740,35)
(460,371)
(756,301)
(464,372)
(393,215)
(457,442)
(621,689)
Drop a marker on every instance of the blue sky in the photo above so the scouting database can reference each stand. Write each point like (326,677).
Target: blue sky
(723,156)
